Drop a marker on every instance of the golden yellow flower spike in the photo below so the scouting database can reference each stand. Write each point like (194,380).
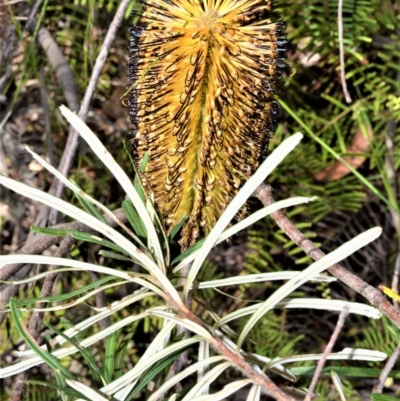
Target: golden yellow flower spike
(202,79)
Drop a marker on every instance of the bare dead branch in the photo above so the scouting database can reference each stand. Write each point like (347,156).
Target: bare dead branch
(237,360)
(386,370)
(327,351)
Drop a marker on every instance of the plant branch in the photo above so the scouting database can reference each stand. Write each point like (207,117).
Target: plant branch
(386,370)
(372,294)
(237,360)
(327,351)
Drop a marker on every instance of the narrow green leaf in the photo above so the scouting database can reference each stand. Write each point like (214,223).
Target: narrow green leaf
(109,357)
(177,228)
(79,235)
(383,397)
(96,373)
(343,371)
(153,372)
(189,251)
(55,232)
(144,161)
(120,356)
(63,297)
(51,360)
(137,183)
(113,255)
(90,208)
(134,219)
(60,380)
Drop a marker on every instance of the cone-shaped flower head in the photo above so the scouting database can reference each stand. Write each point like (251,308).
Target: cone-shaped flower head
(202,79)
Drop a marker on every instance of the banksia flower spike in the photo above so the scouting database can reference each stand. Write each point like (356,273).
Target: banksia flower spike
(202,77)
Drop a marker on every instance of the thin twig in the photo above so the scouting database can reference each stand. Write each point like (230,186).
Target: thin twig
(101,58)
(327,351)
(341,51)
(31,17)
(386,371)
(46,115)
(66,79)
(372,294)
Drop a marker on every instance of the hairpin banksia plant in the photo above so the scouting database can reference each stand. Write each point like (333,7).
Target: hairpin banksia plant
(202,78)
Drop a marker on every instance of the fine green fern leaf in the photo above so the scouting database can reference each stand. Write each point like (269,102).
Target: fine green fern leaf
(378,336)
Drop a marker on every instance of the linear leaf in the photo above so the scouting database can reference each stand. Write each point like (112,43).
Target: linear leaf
(229,389)
(317,267)
(347,354)
(182,375)
(207,379)
(311,303)
(260,277)
(44,356)
(86,391)
(134,219)
(119,174)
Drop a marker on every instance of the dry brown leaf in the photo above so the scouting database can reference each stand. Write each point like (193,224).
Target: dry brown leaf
(359,145)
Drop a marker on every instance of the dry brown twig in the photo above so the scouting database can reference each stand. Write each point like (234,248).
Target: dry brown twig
(380,384)
(327,351)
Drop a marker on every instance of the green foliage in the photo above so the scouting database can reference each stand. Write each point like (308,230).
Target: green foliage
(377,335)
(314,95)
(270,337)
